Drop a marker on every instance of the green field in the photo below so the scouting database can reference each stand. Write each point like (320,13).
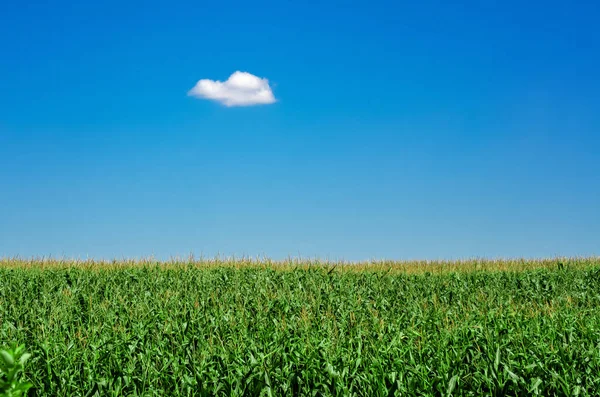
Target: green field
(264,328)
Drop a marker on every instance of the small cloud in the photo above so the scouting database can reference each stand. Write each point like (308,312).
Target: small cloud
(240,89)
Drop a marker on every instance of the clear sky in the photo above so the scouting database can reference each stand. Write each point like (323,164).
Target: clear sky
(418,129)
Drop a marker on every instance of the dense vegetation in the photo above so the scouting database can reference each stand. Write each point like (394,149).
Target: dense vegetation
(198,328)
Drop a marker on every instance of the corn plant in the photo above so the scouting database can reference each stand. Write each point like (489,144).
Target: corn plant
(479,328)
(11,370)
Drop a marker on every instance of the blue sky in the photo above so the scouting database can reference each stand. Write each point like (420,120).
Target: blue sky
(401,129)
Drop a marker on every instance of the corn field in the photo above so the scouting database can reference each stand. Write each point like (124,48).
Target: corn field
(262,328)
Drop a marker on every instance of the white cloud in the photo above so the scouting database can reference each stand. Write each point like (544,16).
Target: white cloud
(240,89)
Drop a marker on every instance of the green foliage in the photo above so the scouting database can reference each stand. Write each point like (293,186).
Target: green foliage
(318,331)
(12,362)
